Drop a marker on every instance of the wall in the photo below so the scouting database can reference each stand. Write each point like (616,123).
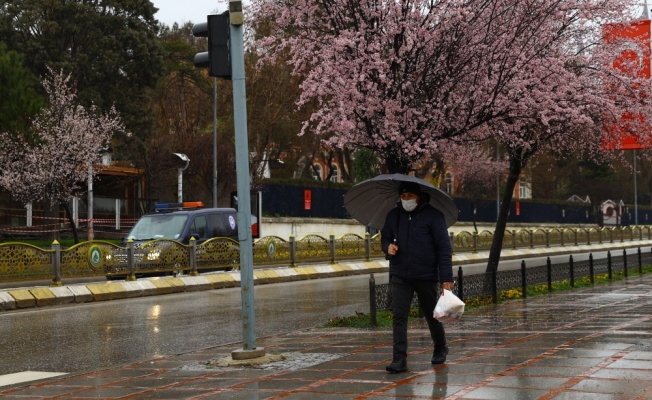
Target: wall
(300,227)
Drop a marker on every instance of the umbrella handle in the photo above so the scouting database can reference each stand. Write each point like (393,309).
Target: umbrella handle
(387,256)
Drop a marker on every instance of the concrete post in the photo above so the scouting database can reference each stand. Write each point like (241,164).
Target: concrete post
(367,246)
(56,264)
(331,242)
(193,257)
(293,251)
(131,264)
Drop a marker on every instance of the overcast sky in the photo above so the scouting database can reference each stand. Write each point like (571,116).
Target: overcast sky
(171,11)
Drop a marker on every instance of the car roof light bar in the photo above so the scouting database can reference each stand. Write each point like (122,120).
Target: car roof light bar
(186,205)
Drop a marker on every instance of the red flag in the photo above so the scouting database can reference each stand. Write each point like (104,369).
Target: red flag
(633,58)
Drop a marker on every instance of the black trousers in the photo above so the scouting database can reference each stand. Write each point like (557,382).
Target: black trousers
(402,293)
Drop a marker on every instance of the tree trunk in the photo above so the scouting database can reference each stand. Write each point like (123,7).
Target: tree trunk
(397,165)
(515,168)
(51,214)
(66,208)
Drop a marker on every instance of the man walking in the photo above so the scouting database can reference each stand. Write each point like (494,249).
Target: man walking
(415,238)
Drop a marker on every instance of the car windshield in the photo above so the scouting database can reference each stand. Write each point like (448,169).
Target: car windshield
(158,226)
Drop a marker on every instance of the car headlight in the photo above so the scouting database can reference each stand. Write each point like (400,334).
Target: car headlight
(153,255)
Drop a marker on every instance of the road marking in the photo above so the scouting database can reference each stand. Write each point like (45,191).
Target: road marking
(26,376)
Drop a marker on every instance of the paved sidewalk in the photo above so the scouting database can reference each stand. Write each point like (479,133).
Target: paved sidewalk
(592,343)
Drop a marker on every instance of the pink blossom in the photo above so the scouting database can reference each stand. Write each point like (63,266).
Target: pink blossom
(398,77)
(66,139)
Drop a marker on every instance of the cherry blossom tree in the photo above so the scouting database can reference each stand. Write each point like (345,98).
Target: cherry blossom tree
(562,103)
(474,170)
(55,161)
(399,77)
(408,78)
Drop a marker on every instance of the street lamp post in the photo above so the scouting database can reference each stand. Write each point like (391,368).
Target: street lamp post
(91,231)
(180,170)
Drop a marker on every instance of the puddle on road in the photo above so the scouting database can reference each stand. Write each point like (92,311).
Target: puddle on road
(286,362)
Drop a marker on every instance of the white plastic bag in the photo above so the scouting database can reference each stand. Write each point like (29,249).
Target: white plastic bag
(449,307)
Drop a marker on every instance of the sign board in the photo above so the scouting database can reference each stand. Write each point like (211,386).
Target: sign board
(307,199)
(633,58)
(95,256)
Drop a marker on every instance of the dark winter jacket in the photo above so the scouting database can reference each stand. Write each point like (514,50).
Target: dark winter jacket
(424,249)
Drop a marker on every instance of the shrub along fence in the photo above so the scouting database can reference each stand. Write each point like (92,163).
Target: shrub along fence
(486,287)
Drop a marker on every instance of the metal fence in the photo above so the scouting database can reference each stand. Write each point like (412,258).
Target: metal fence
(486,287)
(20,261)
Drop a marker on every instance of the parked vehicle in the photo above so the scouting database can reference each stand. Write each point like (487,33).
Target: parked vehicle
(170,221)
(156,236)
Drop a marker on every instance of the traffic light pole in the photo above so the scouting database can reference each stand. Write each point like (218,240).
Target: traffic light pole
(225,59)
(215,142)
(249,349)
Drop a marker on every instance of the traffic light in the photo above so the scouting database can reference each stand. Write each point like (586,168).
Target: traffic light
(218,56)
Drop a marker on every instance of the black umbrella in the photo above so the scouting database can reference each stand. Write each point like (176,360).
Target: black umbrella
(370,201)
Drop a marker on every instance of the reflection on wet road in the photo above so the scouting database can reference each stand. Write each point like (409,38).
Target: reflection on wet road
(83,337)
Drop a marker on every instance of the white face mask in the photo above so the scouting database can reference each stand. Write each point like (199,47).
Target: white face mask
(409,205)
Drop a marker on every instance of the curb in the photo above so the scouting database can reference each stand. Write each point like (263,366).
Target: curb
(11,299)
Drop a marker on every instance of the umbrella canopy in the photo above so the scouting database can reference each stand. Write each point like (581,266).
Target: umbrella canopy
(370,201)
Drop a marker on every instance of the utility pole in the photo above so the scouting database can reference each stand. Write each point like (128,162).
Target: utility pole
(249,349)
(225,59)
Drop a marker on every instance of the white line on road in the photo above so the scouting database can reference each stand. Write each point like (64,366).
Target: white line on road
(26,376)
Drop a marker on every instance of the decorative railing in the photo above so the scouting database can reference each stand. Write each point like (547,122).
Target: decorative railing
(485,287)
(24,261)
(20,261)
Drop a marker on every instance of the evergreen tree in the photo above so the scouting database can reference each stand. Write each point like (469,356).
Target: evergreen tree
(110,48)
(19,98)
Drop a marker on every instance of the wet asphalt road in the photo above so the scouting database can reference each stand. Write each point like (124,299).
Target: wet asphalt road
(83,337)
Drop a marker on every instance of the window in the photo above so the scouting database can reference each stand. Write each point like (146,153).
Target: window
(316,169)
(158,226)
(523,190)
(449,183)
(335,173)
(199,227)
(218,225)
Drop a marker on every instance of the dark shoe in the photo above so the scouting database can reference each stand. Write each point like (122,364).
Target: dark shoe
(399,364)
(439,356)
